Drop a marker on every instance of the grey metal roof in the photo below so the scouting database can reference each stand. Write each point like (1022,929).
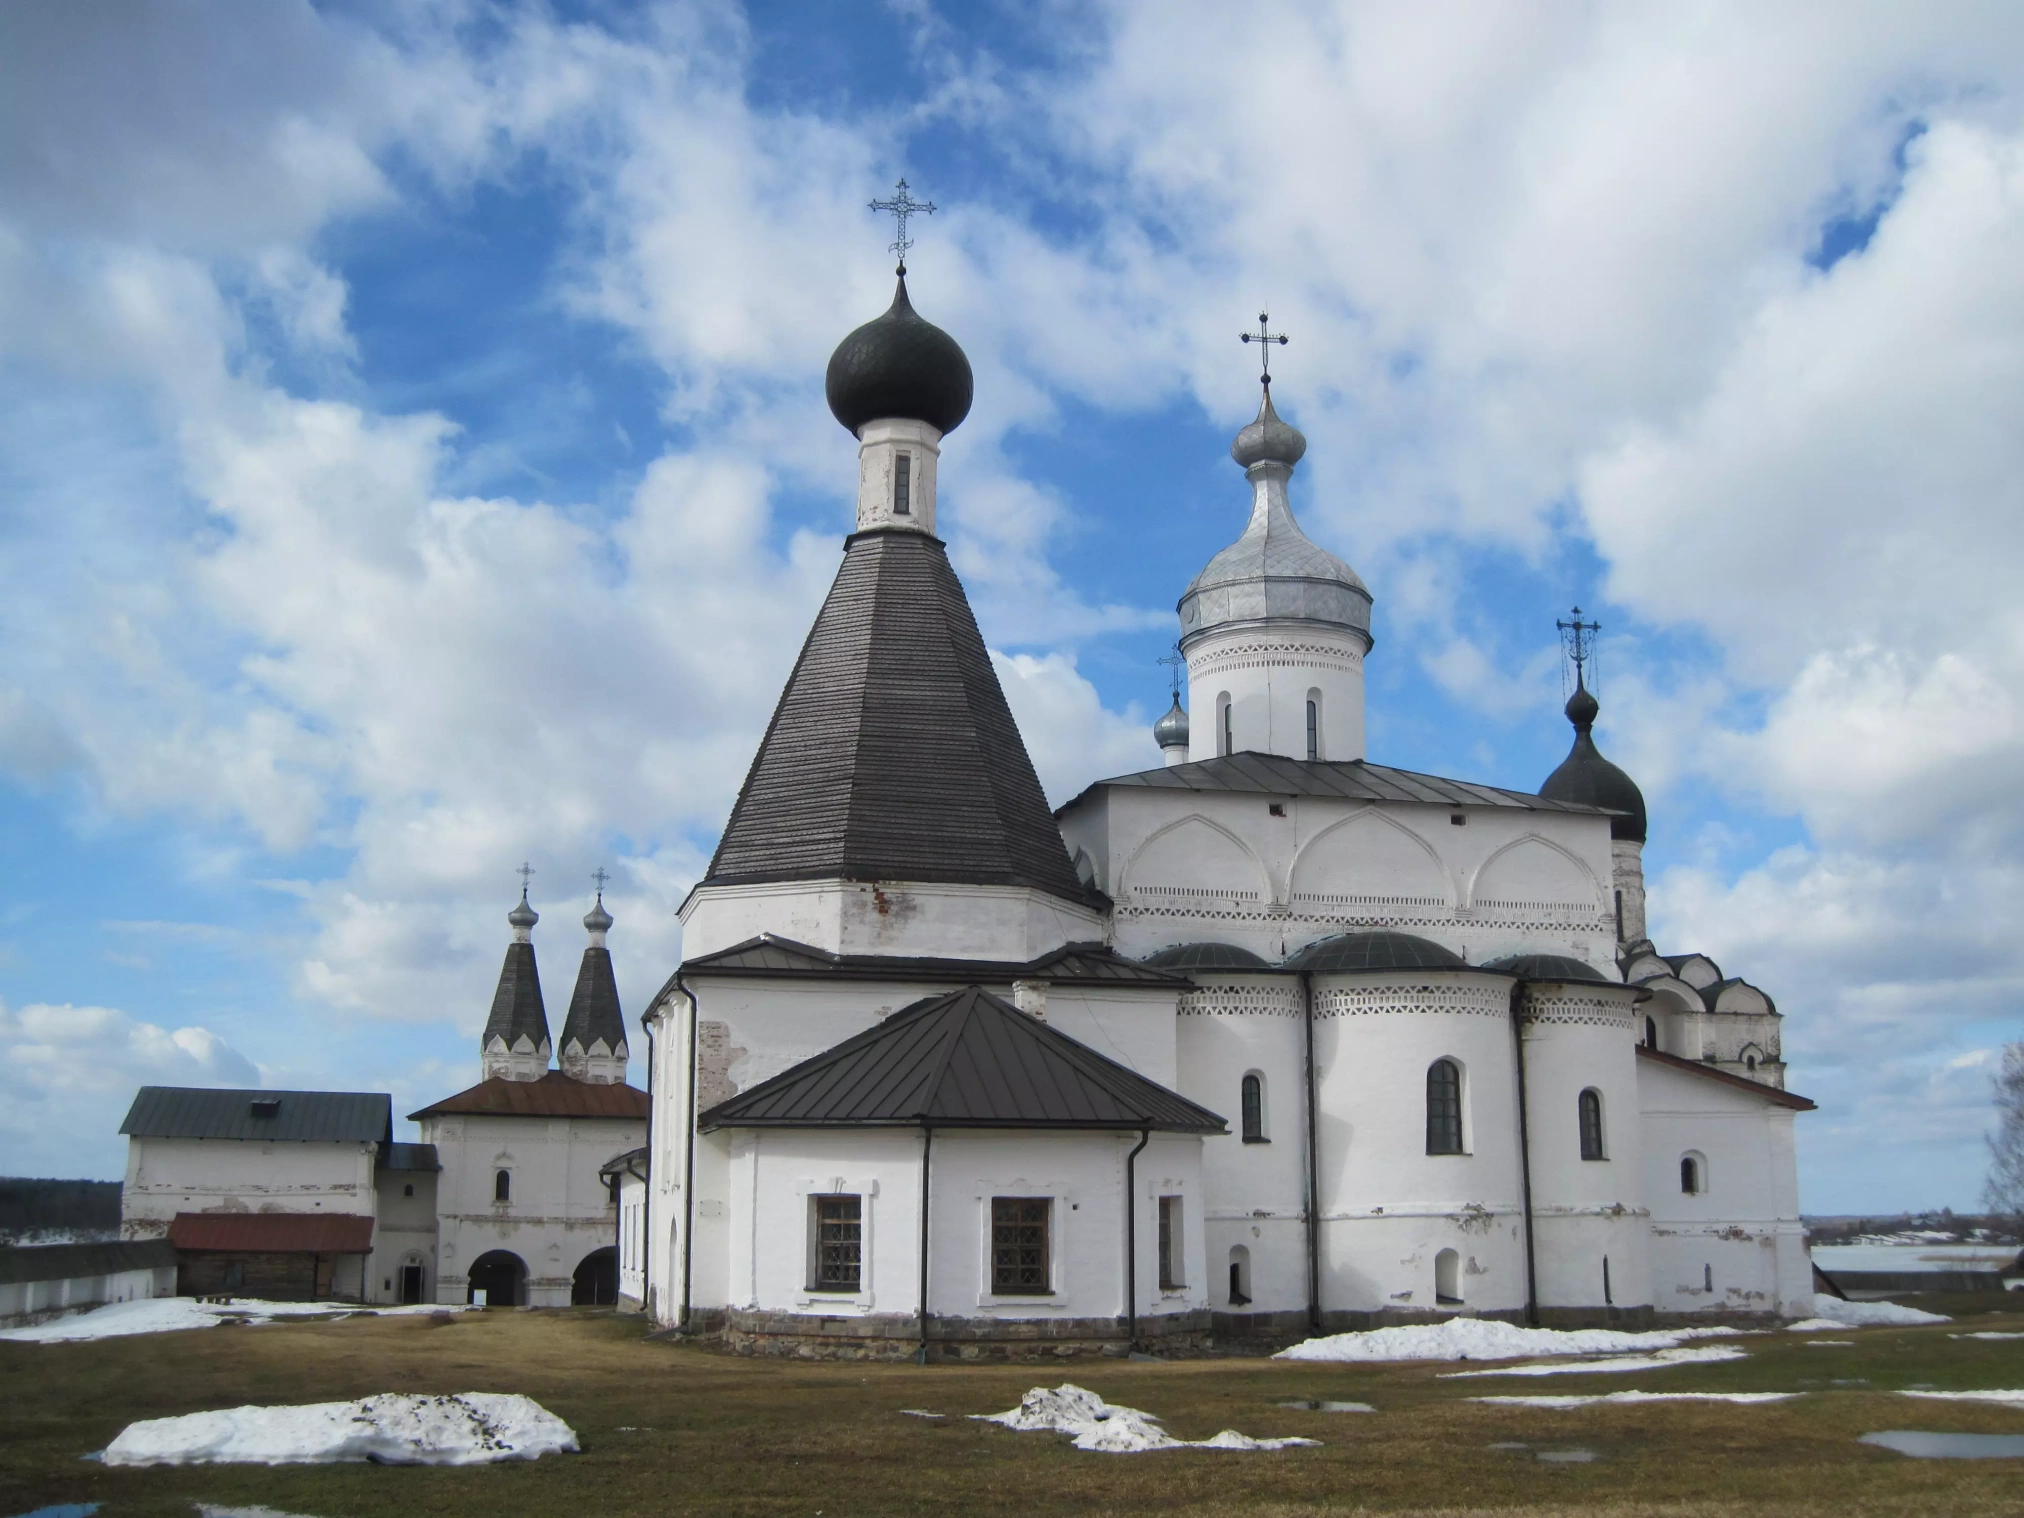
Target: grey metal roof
(1208,956)
(1074,964)
(408,1157)
(899,364)
(1378,950)
(517,1010)
(1548,967)
(593,1008)
(70,1262)
(1585,776)
(892,755)
(965,1060)
(311,1117)
(1259,774)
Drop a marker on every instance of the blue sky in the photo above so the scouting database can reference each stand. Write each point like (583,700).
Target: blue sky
(412,460)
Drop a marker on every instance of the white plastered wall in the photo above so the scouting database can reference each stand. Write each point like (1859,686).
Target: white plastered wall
(167,1176)
(1266,674)
(404,1232)
(1006,923)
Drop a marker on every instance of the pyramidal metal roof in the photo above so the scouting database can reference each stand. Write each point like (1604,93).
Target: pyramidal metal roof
(965,1060)
(892,755)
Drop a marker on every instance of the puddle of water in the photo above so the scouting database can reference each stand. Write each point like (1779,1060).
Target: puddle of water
(1566,1456)
(64,1510)
(1925,1446)
(1313,1405)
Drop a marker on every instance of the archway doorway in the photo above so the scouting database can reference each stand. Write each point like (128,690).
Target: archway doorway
(414,1276)
(596,1283)
(502,1276)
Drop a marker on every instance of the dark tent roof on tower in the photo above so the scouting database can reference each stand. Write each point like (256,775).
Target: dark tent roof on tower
(517,1010)
(899,365)
(1587,779)
(594,1011)
(892,755)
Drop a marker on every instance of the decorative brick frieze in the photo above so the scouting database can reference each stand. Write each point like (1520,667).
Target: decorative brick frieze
(1369,1001)
(1241,1001)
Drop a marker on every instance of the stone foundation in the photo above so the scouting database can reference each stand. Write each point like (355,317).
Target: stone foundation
(897,1336)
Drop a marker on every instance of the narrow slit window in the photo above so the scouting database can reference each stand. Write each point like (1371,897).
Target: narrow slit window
(1252,1104)
(1690,1176)
(1171,1275)
(502,1185)
(1229,735)
(1020,1264)
(903,484)
(1590,1105)
(1651,1033)
(1313,729)
(1444,1107)
(839,1243)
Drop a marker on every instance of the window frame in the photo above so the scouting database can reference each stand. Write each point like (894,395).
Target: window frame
(502,1185)
(1226,726)
(1588,1118)
(1697,1162)
(903,483)
(1461,1105)
(996,1286)
(818,1203)
(1251,1108)
(1173,1242)
(1314,753)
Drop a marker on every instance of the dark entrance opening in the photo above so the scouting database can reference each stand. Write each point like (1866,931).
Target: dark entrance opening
(411,1285)
(596,1283)
(502,1276)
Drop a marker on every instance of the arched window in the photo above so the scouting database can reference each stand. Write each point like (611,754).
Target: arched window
(1444,1107)
(1448,1279)
(1252,1105)
(1690,1174)
(502,1185)
(1240,1276)
(1651,1033)
(1225,733)
(1590,1112)
(1314,724)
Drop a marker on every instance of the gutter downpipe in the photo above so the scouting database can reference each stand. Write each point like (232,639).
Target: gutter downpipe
(927,1151)
(1131,1240)
(646,1183)
(1313,1164)
(689,1153)
(1524,1154)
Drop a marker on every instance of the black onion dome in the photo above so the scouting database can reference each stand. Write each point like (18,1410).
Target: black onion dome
(1207,956)
(1379,950)
(899,365)
(1588,779)
(1546,967)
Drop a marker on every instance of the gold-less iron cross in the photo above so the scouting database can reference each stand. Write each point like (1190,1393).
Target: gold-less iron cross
(1268,338)
(1577,639)
(1174,662)
(902,205)
(600,877)
(526,873)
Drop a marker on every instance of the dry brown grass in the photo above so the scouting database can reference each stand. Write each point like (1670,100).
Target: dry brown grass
(672,1429)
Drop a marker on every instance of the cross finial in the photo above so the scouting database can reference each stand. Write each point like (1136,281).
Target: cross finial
(1577,641)
(600,877)
(1264,335)
(1174,662)
(526,873)
(902,205)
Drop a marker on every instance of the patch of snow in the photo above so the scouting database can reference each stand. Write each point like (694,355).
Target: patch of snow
(2000,1398)
(1487,1339)
(919,1412)
(1108,1428)
(1840,1314)
(397,1428)
(1657,1359)
(161,1315)
(1558,1403)
(1828,1344)
(1986,1333)
(212,1510)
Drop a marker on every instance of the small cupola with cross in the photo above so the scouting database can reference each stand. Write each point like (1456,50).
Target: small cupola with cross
(900,384)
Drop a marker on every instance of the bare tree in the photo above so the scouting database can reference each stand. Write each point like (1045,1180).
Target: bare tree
(2003,1192)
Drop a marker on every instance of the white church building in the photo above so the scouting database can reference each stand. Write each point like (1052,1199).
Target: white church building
(1267,1040)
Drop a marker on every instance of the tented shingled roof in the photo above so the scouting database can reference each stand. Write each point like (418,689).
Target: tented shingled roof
(517,1011)
(594,1010)
(892,754)
(965,1060)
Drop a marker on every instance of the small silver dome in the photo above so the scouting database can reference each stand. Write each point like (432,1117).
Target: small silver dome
(522,916)
(598,920)
(1171,731)
(1269,439)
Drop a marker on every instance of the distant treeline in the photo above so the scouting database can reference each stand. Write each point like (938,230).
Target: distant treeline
(1967,1227)
(37,1206)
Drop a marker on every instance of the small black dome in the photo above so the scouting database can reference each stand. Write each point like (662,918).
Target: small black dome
(1546,967)
(899,365)
(1587,779)
(1380,950)
(1207,956)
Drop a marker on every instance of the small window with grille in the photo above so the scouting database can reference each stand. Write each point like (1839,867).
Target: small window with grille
(1589,1113)
(903,484)
(1444,1107)
(1020,1263)
(1251,1102)
(839,1243)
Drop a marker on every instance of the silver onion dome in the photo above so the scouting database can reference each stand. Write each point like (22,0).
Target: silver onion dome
(1274,571)
(1171,731)
(522,916)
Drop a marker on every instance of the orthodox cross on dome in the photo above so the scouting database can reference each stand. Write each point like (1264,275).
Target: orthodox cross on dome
(1175,662)
(1266,337)
(600,877)
(902,205)
(526,873)
(1577,643)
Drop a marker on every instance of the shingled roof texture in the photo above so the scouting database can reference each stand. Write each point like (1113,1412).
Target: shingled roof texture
(594,1011)
(517,1009)
(892,754)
